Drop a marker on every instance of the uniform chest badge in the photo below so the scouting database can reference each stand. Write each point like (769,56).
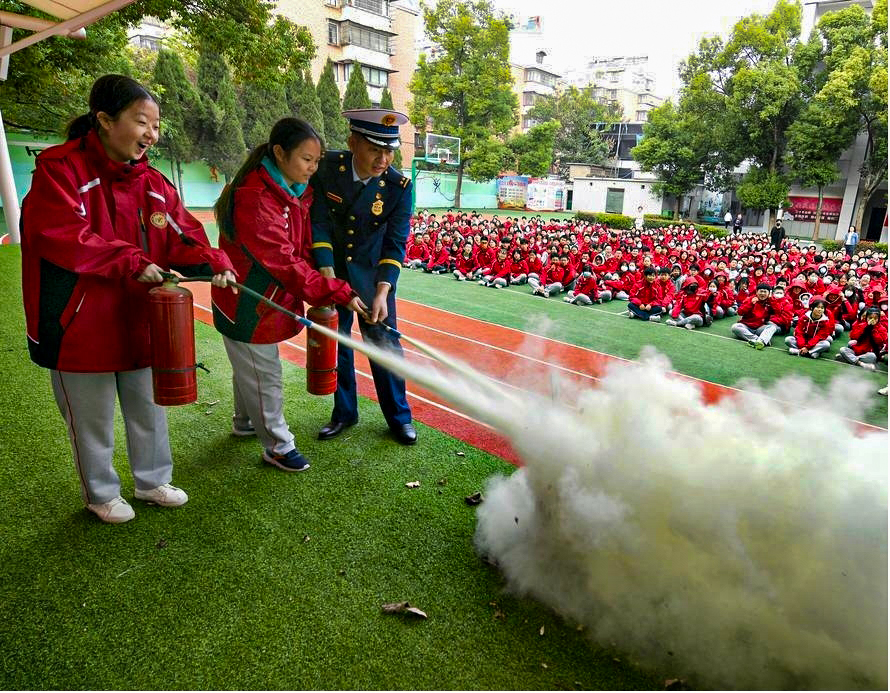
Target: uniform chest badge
(382,183)
(342,169)
(158,219)
(377,208)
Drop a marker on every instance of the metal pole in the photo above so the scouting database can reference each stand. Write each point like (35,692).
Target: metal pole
(7,188)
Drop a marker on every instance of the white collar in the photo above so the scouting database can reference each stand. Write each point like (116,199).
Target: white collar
(356,179)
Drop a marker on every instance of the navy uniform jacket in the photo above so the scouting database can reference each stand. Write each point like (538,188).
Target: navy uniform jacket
(361,236)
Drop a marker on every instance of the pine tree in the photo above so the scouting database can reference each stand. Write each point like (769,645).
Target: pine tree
(386,102)
(356,95)
(179,105)
(220,140)
(336,128)
(264,105)
(302,100)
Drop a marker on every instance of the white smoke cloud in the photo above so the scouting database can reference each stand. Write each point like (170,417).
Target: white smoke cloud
(741,544)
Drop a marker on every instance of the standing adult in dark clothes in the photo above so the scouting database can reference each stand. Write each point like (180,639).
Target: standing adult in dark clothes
(777,235)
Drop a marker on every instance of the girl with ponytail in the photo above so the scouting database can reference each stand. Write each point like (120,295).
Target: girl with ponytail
(263,219)
(99,225)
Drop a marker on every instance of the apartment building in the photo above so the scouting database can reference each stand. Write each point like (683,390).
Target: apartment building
(378,35)
(531,83)
(620,80)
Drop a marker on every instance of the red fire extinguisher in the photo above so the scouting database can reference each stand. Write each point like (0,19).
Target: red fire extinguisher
(172,325)
(321,353)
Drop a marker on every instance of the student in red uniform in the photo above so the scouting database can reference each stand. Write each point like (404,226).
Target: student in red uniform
(273,254)
(868,340)
(439,260)
(418,252)
(465,263)
(755,326)
(484,257)
(99,225)
(498,272)
(518,268)
(645,298)
(688,308)
(667,288)
(812,336)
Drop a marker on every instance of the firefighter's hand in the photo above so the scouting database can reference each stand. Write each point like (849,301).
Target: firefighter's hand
(222,280)
(151,275)
(326,272)
(379,311)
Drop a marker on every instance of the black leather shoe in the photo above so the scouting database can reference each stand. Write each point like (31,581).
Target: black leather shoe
(405,434)
(333,428)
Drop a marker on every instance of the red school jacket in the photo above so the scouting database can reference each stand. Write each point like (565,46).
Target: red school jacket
(272,254)
(91,226)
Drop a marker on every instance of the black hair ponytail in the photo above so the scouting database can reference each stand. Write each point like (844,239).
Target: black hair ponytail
(110,94)
(289,133)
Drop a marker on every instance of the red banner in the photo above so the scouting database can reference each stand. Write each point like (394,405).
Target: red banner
(804,208)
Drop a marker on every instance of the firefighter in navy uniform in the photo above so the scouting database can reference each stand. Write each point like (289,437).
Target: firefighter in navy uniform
(360,220)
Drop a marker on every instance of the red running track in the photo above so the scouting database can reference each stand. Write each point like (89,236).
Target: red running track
(502,353)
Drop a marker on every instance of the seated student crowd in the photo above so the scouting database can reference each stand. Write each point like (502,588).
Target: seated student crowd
(673,271)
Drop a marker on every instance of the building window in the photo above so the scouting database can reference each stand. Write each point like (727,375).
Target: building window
(528,122)
(613,77)
(540,77)
(333,33)
(613,94)
(366,38)
(528,99)
(150,42)
(641,116)
(375,6)
(375,77)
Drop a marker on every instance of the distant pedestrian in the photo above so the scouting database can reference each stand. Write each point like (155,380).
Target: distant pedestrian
(727,219)
(737,224)
(777,235)
(851,240)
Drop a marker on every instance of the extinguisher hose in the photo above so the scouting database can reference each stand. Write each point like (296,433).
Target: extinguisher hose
(429,351)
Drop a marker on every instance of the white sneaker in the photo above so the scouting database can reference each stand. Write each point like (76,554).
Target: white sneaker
(867,366)
(654,318)
(671,322)
(883,391)
(689,326)
(114,512)
(545,293)
(166,494)
(793,351)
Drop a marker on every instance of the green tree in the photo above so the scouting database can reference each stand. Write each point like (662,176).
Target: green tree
(754,88)
(336,128)
(465,90)
(260,45)
(670,149)
(264,105)
(814,147)
(582,122)
(179,103)
(853,97)
(220,141)
(532,151)
(302,100)
(356,95)
(49,83)
(386,102)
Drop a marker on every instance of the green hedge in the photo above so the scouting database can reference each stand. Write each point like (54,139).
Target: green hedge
(614,221)
(832,245)
(650,221)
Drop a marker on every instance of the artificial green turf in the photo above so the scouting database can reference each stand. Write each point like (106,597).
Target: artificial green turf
(604,328)
(264,579)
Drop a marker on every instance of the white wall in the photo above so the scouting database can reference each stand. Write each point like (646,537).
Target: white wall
(589,195)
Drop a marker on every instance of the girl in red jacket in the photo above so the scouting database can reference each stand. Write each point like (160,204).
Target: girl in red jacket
(868,341)
(688,308)
(465,263)
(99,225)
(812,336)
(272,253)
